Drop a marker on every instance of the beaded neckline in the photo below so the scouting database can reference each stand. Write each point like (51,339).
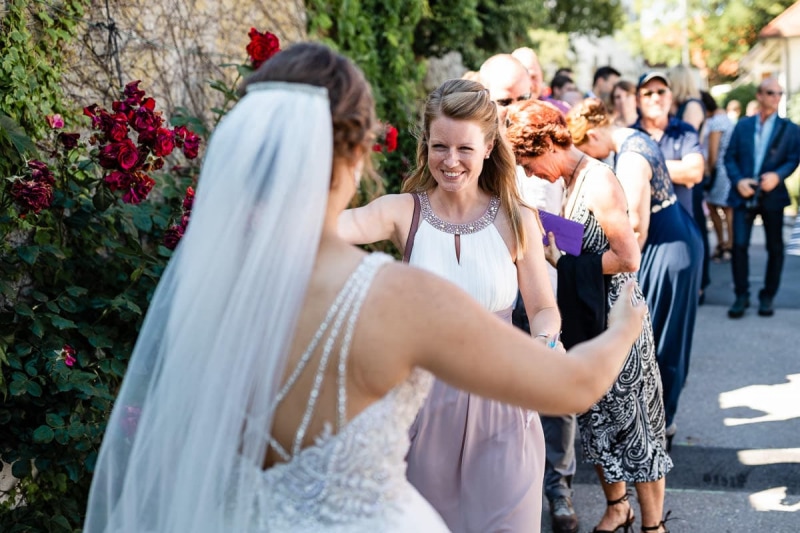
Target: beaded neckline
(458,229)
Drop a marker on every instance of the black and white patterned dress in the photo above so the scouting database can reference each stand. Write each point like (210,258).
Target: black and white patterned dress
(624,431)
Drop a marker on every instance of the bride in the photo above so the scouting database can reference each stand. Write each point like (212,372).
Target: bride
(278,369)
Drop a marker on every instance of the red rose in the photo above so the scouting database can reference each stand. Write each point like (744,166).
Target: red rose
(262,46)
(31,195)
(173,236)
(188,200)
(128,155)
(68,352)
(391,138)
(133,94)
(69,140)
(117,180)
(107,157)
(165,142)
(140,187)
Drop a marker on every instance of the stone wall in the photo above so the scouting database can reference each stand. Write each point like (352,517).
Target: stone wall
(173,46)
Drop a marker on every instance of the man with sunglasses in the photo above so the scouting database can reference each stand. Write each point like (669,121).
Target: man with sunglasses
(763,151)
(508,82)
(678,140)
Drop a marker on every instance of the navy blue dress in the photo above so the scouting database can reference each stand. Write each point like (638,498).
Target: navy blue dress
(670,272)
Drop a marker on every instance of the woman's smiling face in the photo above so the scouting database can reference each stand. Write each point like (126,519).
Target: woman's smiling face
(456,152)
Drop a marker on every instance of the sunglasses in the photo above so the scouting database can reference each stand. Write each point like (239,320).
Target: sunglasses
(773,93)
(659,92)
(505,102)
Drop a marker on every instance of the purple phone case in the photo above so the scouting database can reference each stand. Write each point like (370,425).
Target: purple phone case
(568,233)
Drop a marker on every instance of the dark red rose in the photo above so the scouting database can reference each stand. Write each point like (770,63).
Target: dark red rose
(173,236)
(262,46)
(149,104)
(140,187)
(107,157)
(144,120)
(133,94)
(165,142)
(128,155)
(117,180)
(122,107)
(157,163)
(32,195)
(69,140)
(40,172)
(91,112)
(188,200)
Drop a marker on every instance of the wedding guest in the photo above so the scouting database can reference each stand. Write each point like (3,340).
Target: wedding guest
(715,138)
(478,461)
(670,242)
(624,96)
(229,405)
(623,433)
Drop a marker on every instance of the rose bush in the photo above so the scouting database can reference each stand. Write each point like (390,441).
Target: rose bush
(81,233)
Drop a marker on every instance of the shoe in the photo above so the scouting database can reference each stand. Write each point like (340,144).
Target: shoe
(658,526)
(626,525)
(765,306)
(737,309)
(562,515)
(670,432)
(702,298)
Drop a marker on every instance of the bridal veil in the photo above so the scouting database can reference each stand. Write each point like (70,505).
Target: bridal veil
(196,400)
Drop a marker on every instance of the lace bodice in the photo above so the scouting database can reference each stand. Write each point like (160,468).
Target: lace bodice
(483,268)
(353,479)
(662,194)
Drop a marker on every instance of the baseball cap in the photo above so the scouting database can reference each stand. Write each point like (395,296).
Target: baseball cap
(652,75)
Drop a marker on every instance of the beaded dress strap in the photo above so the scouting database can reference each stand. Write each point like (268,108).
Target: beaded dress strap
(346,307)
(475,226)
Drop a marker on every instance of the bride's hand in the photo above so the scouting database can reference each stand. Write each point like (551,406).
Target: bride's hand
(629,310)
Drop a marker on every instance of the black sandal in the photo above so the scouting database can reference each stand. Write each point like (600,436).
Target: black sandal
(626,525)
(658,526)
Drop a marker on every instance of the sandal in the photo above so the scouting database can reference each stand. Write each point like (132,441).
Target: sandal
(658,526)
(626,525)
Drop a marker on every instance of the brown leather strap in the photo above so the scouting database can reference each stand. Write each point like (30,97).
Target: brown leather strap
(412,232)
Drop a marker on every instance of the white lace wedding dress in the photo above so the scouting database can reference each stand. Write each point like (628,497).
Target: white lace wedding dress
(353,480)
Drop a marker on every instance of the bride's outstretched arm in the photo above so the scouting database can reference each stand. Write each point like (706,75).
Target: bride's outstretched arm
(443,330)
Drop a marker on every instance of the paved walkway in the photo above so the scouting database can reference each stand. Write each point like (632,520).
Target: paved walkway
(737,451)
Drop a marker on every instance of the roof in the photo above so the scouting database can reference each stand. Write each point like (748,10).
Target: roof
(787,24)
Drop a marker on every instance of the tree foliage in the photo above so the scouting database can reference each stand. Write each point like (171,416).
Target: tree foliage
(724,31)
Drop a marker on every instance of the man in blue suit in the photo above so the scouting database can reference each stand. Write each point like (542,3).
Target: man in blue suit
(764,150)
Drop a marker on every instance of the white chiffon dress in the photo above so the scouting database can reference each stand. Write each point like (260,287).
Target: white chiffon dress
(478,461)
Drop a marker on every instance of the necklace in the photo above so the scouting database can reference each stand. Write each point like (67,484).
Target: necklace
(572,176)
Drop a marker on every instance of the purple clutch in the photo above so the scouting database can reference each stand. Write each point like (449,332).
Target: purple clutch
(568,233)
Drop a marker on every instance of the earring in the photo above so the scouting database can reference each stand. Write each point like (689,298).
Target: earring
(487,155)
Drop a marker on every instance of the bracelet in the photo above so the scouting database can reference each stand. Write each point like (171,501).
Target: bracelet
(542,335)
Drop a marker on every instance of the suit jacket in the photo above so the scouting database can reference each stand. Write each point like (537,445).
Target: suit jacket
(782,157)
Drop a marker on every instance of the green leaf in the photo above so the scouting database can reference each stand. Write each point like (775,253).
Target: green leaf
(62,522)
(34,389)
(76,291)
(21,468)
(142,221)
(54,421)
(37,328)
(100,341)
(28,253)
(62,323)
(23,309)
(12,132)
(43,434)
